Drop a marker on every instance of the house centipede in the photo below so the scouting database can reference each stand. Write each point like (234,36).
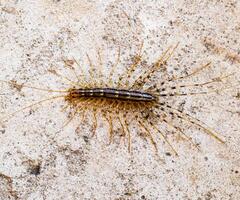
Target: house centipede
(124,102)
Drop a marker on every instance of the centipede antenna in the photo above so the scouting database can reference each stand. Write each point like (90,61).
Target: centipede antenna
(112,72)
(198,70)
(29,106)
(33,87)
(148,134)
(192,120)
(164,137)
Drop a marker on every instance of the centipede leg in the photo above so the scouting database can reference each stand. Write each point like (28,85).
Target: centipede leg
(181,132)
(82,118)
(77,110)
(148,133)
(81,74)
(196,71)
(95,122)
(186,117)
(125,126)
(70,119)
(142,79)
(109,119)
(132,68)
(164,137)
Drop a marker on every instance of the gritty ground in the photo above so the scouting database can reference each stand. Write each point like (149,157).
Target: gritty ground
(36,36)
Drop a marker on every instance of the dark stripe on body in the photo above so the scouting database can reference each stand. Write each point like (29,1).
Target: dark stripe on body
(113,93)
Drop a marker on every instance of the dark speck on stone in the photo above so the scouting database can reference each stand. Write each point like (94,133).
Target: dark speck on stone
(85,139)
(168,154)
(35,170)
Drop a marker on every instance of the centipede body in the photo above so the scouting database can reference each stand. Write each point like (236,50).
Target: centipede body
(146,106)
(113,93)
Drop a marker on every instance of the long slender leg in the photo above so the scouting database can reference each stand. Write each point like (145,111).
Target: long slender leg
(168,56)
(110,130)
(82,118)
(198,70)
(95,122)
(142,79)
(148,134)
(77,109)
(132,68)
(213,80)
(65,124)
(85,83)
(164,137)
(181,132)
(160,89)
(68,121)
(194,121)
(197,93)
(65,108)
(124,132)
(195,72)
(125,125)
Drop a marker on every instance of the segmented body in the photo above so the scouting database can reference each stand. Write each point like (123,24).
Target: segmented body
(112,93)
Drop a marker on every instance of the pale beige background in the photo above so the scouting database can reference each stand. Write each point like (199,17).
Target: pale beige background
(37,35)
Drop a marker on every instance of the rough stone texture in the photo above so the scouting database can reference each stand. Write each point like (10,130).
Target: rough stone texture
(38,163)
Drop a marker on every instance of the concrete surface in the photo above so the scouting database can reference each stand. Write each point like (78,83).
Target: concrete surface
(36,163)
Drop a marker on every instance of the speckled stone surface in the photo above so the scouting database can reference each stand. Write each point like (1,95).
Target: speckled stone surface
(36,162)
